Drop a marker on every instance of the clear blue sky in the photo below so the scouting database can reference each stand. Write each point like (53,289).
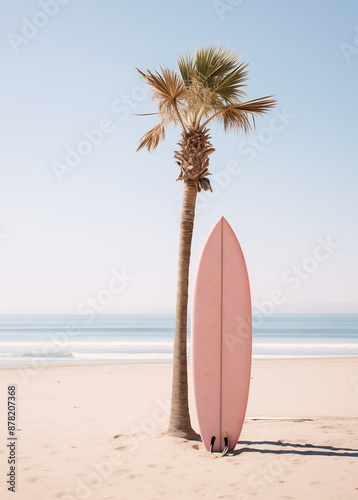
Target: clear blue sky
(73,71)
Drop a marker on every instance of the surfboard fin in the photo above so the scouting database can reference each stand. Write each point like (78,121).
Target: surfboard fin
(212,444)
(226,448)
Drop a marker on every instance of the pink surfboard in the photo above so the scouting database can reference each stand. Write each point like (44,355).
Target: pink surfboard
(221,338)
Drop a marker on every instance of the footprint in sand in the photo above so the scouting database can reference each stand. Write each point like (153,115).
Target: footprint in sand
(133,476)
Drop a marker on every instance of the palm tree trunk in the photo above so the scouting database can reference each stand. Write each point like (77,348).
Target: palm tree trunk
(179,424)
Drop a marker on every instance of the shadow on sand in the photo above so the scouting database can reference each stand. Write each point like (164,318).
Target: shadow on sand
(300,449)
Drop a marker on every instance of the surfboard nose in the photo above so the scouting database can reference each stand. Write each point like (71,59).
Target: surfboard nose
(223,221)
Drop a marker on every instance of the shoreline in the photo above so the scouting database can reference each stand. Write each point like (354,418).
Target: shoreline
(165,362)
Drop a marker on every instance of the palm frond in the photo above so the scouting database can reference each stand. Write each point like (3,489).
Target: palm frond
(213,77)
(144,114)
(234,120)
(229,86)
(217,66)
(187,68)
(207,62)
(213,63)
(166,86)
(237,116)
(256,106)
(151,139)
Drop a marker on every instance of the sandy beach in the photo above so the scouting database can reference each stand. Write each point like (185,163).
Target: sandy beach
(97,432)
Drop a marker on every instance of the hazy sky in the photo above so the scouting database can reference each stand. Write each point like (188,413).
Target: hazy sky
(100,228)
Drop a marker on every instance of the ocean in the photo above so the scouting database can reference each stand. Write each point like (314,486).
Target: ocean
(111,338)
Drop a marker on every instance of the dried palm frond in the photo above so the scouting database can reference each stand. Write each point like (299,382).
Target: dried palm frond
(167,87)
(150,139)
(198,102)
(237,116)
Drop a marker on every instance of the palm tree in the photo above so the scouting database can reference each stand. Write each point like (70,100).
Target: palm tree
(208,88)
